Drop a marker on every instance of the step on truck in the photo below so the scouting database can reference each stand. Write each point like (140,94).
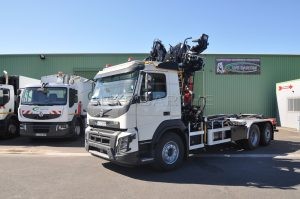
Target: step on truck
(10,88)
(56,107)
(142,112)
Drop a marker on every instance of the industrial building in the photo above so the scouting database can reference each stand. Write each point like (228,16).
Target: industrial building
(231,83)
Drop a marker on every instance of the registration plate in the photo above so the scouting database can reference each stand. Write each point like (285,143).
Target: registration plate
(101,123)
(41,134)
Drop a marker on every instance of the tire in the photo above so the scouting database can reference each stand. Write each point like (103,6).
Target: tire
(254,138)
(12,129)
(266,135)
(77,128)
(169,152)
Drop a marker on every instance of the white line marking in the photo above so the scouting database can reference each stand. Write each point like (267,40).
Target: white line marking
(275,156)
(49,154)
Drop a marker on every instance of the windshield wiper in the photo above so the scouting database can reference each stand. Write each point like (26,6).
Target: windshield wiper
(95,102)
(116,103)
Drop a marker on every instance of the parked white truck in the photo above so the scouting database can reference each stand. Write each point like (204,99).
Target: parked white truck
(139,113)
(9,90)
(56,107)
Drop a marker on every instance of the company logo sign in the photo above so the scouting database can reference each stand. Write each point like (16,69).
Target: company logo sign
(101,113)
(238,66)
(35,108)
(41,114)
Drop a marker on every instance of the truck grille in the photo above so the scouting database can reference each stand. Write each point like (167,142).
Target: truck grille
(41,117)
(39,129)
(101,139)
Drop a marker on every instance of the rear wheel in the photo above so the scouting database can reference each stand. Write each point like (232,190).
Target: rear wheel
(169,152)
(266,135)
(254,137)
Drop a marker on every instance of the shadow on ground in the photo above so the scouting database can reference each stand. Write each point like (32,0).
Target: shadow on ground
(52,142)
(243,171)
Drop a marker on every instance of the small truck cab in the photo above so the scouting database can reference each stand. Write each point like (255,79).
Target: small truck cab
(56,107)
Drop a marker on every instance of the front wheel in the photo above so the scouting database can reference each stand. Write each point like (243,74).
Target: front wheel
(12,128)
(169,152)
(77,128)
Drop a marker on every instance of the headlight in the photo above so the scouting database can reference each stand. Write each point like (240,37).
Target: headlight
(123,143)
(23,127)
(61,127)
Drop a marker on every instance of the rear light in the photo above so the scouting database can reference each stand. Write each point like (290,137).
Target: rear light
(273,121)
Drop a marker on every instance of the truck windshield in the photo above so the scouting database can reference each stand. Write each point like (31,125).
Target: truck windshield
(44,96)
(115,90)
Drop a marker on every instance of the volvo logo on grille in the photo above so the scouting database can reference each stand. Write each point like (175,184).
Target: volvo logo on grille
(41,114)
(101,112)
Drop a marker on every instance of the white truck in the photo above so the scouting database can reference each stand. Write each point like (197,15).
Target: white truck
(9,90)
(56,107)
(139,114)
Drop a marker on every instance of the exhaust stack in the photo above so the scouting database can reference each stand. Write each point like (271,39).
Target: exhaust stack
(6,77)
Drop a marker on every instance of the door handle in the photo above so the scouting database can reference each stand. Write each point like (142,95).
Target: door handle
(166,113)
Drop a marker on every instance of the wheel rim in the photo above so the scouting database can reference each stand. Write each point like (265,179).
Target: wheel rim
(12,129)
(170,152)
(77,130)
(254,137)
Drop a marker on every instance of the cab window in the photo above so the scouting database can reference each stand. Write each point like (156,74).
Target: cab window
(153,87)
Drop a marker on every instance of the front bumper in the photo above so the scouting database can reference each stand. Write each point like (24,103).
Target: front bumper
(102,143)
(50,130)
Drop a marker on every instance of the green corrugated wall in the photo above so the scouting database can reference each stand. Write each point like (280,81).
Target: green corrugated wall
(241,93)
(225,93)
(86,64)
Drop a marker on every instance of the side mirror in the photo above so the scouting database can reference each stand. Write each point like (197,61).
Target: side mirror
(19,91)
(76,98)
(136,99)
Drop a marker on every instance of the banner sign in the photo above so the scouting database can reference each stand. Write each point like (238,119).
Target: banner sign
(238,66)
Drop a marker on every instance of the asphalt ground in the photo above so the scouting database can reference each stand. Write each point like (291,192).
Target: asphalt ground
(62,169)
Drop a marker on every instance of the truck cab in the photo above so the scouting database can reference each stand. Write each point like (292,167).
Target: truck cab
(130,104)
(54,108)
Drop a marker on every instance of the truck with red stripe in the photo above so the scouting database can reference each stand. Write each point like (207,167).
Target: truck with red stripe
(10,86)
(56,107)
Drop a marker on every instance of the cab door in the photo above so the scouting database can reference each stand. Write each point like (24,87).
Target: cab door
(153,107)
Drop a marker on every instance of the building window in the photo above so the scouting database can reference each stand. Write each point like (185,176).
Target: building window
(294,104)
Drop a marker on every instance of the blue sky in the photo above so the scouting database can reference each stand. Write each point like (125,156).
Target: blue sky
(95,26)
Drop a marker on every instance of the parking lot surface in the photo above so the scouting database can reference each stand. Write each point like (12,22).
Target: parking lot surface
(63,169)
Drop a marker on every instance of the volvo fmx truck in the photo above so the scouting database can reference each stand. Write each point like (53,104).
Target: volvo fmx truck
(142,112)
